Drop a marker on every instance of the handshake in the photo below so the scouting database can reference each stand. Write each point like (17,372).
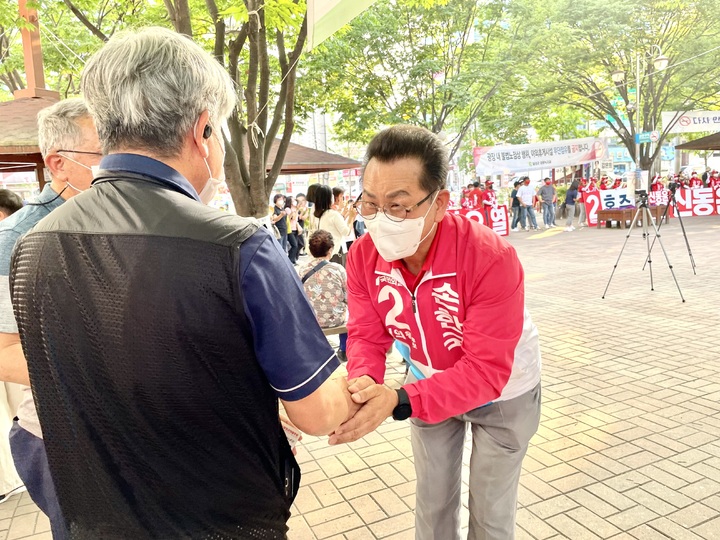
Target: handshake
(345,409)
(369,404)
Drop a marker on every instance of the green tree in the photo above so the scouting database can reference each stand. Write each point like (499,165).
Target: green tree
(435,64)
(581,44)
(259,42)
(560,121)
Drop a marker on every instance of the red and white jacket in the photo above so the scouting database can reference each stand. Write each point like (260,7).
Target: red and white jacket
(464,322)
(489,199)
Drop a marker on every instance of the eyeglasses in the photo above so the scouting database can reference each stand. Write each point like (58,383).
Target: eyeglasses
(394,212)
(82,152)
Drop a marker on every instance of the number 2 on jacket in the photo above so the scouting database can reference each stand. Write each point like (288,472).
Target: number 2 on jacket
(388,293)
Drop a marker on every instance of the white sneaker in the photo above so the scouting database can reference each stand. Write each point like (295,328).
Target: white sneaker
(569,229)
(547,227)
(515,229)
(527,228)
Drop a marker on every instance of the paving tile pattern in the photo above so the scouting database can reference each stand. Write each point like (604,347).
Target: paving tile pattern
(629,442)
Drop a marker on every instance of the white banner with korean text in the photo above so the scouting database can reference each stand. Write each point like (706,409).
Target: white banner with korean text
(533,157)
(691,121)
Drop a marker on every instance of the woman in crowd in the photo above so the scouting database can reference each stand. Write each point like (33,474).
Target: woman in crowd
(293,229)
(570,198)
(333,221)
(303,220)
(325,285)
(279,219)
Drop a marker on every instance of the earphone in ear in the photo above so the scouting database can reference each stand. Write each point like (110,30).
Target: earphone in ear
(207,131)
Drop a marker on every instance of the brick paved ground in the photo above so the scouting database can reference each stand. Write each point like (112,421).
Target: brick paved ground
(629,443)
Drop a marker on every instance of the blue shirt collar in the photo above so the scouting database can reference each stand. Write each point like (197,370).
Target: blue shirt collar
(48,198)
(147,166)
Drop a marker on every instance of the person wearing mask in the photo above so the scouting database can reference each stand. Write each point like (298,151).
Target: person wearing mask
(334,222)
(460,314)
(489,200)
(526,199)
(165,369)
(548,196)
(570,197)
(70,148)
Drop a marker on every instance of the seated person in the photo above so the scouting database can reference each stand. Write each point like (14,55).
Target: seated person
(10,202)
(325,285)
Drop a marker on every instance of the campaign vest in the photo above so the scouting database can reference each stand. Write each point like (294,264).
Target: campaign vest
(158,420)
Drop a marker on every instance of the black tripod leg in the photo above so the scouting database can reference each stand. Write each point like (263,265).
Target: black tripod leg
(682,226)
(648,217)
(632,226)
(664,216)
(657,235)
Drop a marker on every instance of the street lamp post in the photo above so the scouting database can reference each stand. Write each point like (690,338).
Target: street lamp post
(660,62)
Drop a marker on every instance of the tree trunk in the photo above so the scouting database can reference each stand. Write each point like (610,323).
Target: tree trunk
(179,13)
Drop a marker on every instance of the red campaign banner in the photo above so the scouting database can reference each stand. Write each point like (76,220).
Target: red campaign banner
(495,218)
(593,204)
(659,198)
(697,202)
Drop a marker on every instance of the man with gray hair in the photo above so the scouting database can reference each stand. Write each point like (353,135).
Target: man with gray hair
(156,329)
(70,148)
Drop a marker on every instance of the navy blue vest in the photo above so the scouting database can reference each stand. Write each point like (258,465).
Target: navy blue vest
(157,418)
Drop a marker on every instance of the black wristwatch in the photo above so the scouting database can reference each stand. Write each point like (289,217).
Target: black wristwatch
(403,410)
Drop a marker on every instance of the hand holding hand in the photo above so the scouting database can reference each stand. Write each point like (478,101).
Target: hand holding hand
(378,402)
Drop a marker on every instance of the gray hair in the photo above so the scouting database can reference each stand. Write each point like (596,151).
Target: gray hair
(58,125)
(146,89)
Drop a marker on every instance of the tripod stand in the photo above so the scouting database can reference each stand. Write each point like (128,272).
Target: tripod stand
(673,202)
(643,212)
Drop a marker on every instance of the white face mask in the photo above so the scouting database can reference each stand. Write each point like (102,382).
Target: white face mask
(397,240)
(211,186)
(93,170)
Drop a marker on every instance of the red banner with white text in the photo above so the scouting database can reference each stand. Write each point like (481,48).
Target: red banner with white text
(697,202)
(495,218)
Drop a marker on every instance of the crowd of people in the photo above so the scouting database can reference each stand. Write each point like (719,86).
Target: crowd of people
(710,178)
(294,219)
(524,200)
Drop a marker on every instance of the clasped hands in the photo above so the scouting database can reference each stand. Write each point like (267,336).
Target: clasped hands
(372,403)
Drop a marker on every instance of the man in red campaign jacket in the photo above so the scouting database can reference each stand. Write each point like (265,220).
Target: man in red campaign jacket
(714,180)
(656,184)
(695,180)
(450,292)
(489,200)
(476,196)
